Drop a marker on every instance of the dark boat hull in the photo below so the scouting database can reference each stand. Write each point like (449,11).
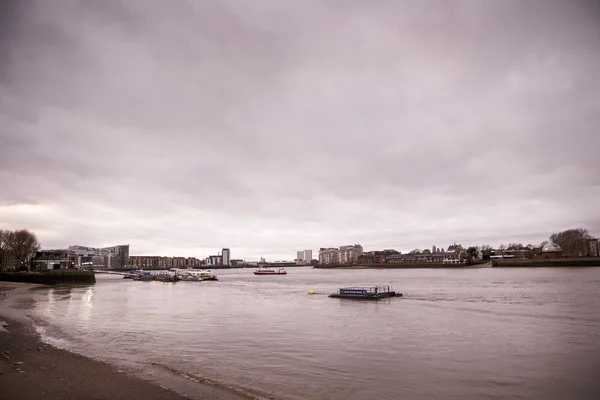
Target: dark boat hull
(270,273)
(190,279)
(365,296)
(161,279)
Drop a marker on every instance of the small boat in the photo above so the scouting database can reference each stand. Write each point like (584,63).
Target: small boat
(186,275)
(144,276)
(365,293)
(132,274)
(270,271)
(207,275)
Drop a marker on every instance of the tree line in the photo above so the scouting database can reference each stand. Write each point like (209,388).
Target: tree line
(573,242)
(16,248)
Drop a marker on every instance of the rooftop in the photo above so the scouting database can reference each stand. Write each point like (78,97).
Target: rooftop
(551,247)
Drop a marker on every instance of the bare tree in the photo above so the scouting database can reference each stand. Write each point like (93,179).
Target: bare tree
(3,250)
(574,242)
(21,244)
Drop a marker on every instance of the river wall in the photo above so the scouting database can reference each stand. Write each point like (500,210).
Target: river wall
(403,265)
(51,277)
(554,262)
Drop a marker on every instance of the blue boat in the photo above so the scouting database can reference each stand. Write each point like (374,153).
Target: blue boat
(365,293)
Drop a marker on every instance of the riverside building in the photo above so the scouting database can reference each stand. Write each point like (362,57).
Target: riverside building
(343,255)
(226,257)
(100,257)
(304,256)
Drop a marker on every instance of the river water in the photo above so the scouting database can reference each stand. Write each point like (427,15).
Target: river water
(490,333)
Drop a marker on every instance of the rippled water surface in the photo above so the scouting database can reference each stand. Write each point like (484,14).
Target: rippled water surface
(465,333)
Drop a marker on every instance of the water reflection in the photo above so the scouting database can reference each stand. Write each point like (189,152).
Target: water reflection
(85,308)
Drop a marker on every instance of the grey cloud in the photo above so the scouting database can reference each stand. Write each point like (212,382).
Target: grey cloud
(185,126)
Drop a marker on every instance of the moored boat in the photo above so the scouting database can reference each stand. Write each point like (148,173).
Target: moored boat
(163,277)
(143,276)
(190,274)
(270,271)
(365,293)
(146,276)
(207,275)
(132,274)
(189,278)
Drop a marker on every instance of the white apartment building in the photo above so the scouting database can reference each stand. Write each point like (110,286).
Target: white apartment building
(226,257)
(214,261)
(108,257)
(328,255)
(304,256)
(349,254)
(343,255)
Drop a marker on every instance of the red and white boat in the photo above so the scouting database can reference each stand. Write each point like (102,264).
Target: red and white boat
(270,271)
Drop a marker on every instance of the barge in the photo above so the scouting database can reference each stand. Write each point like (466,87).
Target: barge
(365,293)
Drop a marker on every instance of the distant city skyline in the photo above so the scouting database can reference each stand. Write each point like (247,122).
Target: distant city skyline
(202,254)
(291,255)
(269,127)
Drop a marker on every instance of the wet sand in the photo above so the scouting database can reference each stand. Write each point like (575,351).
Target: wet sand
(30,369)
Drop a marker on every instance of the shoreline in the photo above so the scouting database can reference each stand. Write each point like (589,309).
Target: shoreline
(583,262)
(32,369)
(588,262)
(406,266)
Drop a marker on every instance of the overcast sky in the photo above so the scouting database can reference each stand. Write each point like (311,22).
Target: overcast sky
(181,127)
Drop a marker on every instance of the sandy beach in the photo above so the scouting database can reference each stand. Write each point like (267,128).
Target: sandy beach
(31,369)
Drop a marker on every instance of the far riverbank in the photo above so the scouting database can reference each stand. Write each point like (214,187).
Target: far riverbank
(403,266)
(504,263)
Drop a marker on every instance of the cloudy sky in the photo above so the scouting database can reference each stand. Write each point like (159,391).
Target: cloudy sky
(270,126)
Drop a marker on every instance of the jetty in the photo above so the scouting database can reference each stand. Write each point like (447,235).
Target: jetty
(365,293)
